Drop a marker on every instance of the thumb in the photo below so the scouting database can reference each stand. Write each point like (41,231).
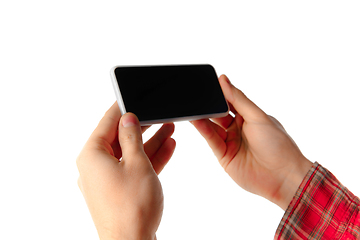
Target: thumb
(244,106)
(130,138)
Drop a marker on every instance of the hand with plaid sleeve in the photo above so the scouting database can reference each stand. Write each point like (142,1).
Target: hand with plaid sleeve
(258,154)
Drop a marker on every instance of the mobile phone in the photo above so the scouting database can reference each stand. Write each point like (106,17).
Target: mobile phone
(169,93)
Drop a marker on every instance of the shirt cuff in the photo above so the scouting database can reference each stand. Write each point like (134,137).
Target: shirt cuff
(322,208)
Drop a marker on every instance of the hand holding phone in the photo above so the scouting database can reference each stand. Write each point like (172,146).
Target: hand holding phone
(169,93)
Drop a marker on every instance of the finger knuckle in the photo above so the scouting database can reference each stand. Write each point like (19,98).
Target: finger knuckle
(130,138)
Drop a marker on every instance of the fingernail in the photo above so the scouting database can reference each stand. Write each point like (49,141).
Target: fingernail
(128,120)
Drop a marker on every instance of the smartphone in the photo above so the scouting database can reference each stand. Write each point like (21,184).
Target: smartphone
(169,93)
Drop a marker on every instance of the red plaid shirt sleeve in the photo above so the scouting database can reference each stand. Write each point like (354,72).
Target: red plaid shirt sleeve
(322,208)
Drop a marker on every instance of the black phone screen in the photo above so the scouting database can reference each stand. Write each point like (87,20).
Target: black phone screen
(165,92)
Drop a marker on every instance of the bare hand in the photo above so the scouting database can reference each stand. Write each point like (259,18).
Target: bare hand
(124,197)
(254,149)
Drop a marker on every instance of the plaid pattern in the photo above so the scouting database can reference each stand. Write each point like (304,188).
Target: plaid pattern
(322,208)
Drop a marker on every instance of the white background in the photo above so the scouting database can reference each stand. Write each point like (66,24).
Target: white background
(299,61)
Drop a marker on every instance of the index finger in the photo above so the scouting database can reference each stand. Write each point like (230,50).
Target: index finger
(108,125)
(214,136)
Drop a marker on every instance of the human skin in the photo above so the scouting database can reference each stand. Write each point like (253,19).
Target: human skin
(254,149)
(125,198)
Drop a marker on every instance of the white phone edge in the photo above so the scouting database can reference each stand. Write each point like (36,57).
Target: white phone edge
(158,121)
(117,91)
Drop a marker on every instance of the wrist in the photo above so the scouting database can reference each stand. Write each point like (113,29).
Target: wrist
(127,237)
(125,234)
(292,182)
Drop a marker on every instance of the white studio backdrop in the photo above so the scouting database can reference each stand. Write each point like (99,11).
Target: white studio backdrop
(298,61)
